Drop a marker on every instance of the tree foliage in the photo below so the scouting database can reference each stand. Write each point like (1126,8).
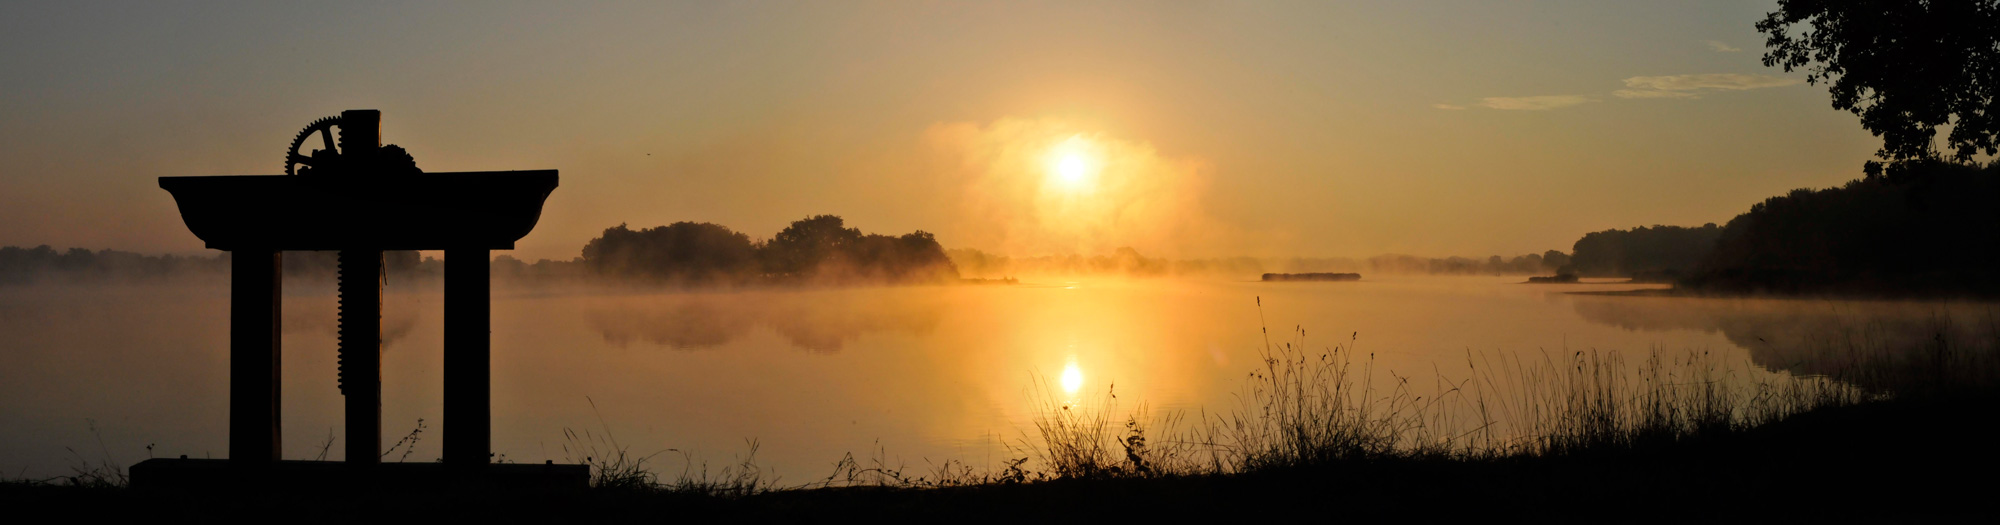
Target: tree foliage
(819,249)
(1648,253)
(1906,67)
(682,251)
(822,248)
(1936,235)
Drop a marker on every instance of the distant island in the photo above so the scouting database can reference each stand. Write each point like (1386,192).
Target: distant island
(815,250)
(1322,276)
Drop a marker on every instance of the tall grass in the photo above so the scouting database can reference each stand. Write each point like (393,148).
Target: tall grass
(1594,401)
(1306,407)
(614,467)
(1950,359)
(1076,437)
(104,472)
(877,471)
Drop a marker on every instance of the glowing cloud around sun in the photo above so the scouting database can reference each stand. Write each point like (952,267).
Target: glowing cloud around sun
(1039,187)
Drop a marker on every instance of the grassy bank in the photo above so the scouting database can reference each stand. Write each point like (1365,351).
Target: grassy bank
(1889,458)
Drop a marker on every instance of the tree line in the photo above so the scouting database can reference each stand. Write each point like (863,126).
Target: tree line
(1933,231)
(44,263)
(1657,253)
(1127,261)
(817,249)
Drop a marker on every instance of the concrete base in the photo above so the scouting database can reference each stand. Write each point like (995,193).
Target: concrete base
(199,474)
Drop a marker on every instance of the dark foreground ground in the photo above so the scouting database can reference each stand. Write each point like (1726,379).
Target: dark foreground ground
(1887,461)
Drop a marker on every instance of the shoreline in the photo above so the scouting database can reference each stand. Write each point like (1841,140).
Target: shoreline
(1872,458)
(1676,292)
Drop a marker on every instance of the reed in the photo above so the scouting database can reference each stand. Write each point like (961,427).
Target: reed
(615,468)
(1311,408)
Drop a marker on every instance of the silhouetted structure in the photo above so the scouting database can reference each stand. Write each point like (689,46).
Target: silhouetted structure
(359,198)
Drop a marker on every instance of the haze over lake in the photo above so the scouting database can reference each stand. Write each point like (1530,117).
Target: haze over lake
(915,374)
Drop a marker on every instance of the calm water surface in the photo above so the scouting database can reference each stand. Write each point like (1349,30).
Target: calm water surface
(915,374)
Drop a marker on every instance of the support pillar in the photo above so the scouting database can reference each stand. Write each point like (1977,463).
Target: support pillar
(468,362)
(255,438)
(360,335)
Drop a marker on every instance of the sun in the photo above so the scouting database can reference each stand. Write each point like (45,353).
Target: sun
(1072,167)
(1072,378)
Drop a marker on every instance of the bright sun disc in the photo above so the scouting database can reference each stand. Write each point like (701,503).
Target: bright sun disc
(1071,166)
(1072,379)
(1072,169)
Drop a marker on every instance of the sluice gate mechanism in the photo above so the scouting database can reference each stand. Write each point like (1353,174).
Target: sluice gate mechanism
(359,197)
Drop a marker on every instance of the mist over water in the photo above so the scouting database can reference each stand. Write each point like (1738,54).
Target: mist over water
(817,320)
(920,373)
(1806,336)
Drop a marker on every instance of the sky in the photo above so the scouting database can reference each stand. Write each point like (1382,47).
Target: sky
(1184,129)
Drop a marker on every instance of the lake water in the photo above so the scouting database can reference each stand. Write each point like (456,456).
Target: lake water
(915,375)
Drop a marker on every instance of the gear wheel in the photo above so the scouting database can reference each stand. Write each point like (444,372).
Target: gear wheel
(390,159)
(394,159)
(324,127)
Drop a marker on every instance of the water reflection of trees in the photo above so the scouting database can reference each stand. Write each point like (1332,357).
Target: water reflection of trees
(1808,337)
(819,322)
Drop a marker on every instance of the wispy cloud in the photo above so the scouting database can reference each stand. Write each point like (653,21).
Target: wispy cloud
(1656,87)
(1720,47)
(1693,86)
(1532,103)
(1653,93)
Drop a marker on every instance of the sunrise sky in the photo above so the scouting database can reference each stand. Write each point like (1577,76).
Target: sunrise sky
(1179,129)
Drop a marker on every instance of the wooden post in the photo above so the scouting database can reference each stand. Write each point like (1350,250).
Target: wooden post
(468,369)
(255,438)
(360,335)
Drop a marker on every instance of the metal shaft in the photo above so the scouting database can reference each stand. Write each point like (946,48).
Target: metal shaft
(360,336)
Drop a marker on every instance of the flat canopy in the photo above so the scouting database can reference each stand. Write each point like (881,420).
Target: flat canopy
(429,211)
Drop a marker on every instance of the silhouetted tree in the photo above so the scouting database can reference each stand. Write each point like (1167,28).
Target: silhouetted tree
(801,248)
(818,249)
(1905,67)
(823,248)
(1938,234)
(1658,252)
(682,251)
(911,257)
(1554,259)
(978,263)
